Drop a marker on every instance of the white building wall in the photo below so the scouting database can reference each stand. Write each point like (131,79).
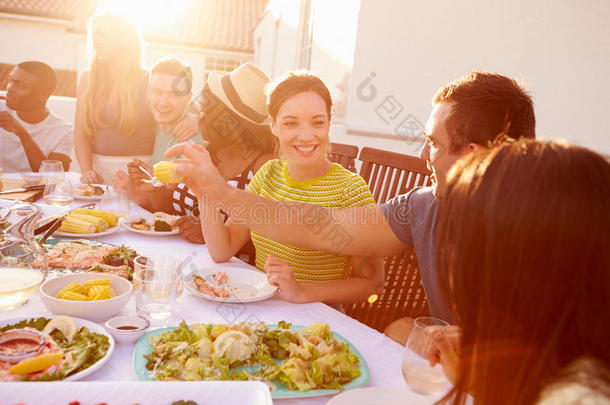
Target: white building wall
(558,48)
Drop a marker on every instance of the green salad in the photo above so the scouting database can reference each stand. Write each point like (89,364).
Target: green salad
(85,349)
(304,359)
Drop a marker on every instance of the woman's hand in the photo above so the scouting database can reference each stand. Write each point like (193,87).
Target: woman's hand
(442,347)
(200,174)
(120,182)
(190,229)
(280,274)
(186,129)
(91,176)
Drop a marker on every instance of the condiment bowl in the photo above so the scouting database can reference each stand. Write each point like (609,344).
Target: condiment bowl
(95,311)
(127,328)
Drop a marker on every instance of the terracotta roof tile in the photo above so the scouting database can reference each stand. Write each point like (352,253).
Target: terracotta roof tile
(66,80)
(217,24)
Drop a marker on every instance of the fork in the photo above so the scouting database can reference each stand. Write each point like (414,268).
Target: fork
(153,180)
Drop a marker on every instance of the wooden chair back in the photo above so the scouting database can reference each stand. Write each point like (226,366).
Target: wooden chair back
(344,154)
(389,174)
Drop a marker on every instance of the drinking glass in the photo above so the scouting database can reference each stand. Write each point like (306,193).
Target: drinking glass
(416,370)
(116,203)
(156,280)
(59,194)
(52,171)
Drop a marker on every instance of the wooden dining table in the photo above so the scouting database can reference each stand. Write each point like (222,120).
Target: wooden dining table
(382,355)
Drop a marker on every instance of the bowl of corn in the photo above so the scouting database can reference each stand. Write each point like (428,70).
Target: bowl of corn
(88,295)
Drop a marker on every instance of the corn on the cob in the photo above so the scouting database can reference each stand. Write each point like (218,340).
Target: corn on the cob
(100,224)
(75,225)
(108,216)
(165,172)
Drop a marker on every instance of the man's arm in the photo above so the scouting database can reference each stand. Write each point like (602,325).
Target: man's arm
(357,231)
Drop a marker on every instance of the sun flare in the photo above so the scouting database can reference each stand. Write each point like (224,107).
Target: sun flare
(147,14)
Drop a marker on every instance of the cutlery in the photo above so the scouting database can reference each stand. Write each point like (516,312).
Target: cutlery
(22,189)
(153,180)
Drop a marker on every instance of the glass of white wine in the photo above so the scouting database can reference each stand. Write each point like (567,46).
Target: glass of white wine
(416,369)
(116,203)
(58,194)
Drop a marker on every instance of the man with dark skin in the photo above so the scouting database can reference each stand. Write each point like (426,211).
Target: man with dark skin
(29,133)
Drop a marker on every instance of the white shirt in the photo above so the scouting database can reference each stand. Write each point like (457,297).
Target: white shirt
(51,135)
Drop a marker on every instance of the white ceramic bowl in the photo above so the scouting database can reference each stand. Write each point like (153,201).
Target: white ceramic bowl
(32,178)
(95,311)
(118,325)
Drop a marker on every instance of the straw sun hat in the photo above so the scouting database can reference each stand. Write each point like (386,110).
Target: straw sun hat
(243,91)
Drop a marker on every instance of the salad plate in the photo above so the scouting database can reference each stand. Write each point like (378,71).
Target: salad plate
(92,327)
(242,284)
(131,392)
(278,389)
(126,223)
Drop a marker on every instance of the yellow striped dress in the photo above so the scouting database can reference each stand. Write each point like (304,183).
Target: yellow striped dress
(338,188)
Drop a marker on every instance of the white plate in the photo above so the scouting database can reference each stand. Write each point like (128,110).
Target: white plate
(87,235)
(124,222)
(131,392)
(380,395)
(249,285)
(93,327)
(93,198)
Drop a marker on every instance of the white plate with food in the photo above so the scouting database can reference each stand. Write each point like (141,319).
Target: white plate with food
(88,223)
(147,223)
(229,284)
(140,392)
(90,192)
(89,349)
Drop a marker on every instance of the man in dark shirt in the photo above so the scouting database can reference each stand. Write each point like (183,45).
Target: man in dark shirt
(467,114)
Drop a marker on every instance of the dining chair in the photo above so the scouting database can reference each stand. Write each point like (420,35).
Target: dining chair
(389,174)
(344,154)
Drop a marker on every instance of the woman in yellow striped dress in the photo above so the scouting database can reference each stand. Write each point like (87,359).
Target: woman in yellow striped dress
(299,106)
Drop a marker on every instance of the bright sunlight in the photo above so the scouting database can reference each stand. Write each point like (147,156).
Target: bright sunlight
(147,14)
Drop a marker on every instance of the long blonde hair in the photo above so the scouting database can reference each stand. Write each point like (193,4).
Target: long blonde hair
(101,85)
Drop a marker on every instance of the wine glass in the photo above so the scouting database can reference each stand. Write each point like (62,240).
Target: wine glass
(116,203)
(59,194)
(416,370)
(52,171)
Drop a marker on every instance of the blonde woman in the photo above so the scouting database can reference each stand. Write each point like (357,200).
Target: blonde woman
(113,122)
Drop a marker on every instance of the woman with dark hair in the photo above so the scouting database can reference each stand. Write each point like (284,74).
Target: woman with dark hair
(524,237)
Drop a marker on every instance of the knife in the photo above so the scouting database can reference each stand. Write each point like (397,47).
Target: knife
(22,189)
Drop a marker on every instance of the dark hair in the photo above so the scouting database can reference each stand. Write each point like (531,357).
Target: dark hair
(487,105)
(175,67)
(523,257)
(295,82)
(46,74)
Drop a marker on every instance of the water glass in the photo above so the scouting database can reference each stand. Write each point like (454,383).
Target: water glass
(52,171)
(156,280)
(116,203)
(416,370)
(59,194)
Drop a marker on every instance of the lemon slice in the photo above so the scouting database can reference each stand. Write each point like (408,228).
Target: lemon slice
(64,324)
(37,363)
(233,345)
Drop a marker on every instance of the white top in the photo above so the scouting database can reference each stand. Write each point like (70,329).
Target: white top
(51,135)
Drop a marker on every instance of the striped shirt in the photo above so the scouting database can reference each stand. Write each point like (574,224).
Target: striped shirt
(338,188)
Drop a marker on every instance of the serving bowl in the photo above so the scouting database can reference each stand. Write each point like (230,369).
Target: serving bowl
(127,328)
(32,178)
(95,311)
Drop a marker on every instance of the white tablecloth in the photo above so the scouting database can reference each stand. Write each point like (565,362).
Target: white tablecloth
(382,354)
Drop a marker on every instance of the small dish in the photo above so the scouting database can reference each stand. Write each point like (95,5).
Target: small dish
(19,344)
(127,328)
(32,178)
